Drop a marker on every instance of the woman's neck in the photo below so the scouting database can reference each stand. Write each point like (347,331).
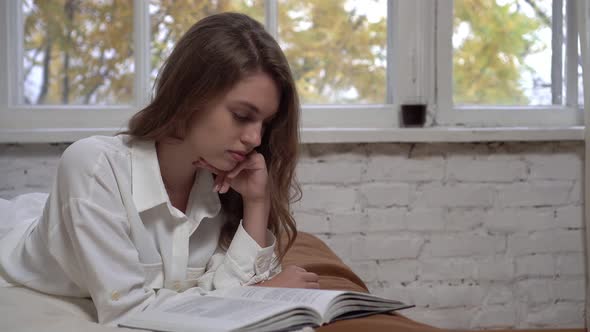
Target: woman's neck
(177,171)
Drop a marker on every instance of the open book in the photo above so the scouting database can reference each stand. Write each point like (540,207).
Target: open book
(260,309)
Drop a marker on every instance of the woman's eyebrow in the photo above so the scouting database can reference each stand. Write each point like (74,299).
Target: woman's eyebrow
(255,109)
(249,106)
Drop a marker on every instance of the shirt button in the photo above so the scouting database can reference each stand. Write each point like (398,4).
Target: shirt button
(115,296)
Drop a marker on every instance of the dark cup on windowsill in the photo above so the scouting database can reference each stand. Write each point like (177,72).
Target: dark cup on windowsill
(413,115)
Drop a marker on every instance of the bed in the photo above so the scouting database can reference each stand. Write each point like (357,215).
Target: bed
(23,309)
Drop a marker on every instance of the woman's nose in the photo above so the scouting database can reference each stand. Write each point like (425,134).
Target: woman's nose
(252,136)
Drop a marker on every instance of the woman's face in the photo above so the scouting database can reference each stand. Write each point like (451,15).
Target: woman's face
(225,131)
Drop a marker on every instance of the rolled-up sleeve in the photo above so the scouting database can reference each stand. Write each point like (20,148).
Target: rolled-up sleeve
(244,262)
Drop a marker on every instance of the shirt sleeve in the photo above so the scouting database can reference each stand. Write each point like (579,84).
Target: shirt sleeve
(244,263)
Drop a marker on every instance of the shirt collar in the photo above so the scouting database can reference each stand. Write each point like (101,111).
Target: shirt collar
(148,188)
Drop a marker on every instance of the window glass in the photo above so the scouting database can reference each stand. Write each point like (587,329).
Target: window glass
(502,52)
(336,49)
(77,52)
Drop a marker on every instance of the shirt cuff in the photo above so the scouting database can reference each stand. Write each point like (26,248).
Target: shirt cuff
(248,256)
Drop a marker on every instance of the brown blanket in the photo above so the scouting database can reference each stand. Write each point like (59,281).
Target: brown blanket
(312,254)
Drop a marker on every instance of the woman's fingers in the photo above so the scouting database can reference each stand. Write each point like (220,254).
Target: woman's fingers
(225,186)
(312,285)
(310,277)
(296,268)
(219,183)
(234,172)
(249,163)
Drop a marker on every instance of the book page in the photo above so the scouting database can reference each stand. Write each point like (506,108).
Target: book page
(315,298)
(207,313)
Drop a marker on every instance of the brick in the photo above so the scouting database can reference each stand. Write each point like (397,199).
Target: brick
(352,222)
(561,315)
(464,219)
(327,198)
(535,291)
(535,265)
(391,219)
(388,194)
(452,318)
(445,269)
(367,270)
(424,219)
(341,245)
(444,296)
(333,172)
(312,223)
(555,166)
(570,264)
(545,242)
(511,220)
(334,152)
(569,216)
(534,194)
(575,195)
(401,169)
(454,195)
(499,295)
(465,170)
(494,268)
(569,290)
(397,271)
(384,246)
(463,245)
(495,316)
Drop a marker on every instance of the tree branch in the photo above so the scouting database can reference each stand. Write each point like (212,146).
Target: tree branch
(546,19)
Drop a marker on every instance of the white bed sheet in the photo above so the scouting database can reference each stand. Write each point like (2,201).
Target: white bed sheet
(25,310)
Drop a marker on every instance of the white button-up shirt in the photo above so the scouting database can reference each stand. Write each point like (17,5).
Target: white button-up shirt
(108,230)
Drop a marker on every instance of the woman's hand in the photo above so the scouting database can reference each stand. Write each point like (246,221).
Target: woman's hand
(293,277)
(249,178)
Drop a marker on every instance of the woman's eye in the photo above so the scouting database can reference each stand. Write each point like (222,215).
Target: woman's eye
(240,118)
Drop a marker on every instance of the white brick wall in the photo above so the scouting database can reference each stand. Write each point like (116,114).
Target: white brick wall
(476,235)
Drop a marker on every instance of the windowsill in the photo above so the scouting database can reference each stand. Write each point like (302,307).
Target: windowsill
(344,135)
(441,134)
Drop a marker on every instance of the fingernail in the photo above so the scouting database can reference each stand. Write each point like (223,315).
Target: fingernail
(216,188)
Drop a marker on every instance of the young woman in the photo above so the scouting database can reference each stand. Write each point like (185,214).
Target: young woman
(191,198)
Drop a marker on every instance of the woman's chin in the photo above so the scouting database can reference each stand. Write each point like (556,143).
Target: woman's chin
(224,165)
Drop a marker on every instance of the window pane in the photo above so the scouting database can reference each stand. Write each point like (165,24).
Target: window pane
(170,19)
(78,52)
(502,52)
(336,49)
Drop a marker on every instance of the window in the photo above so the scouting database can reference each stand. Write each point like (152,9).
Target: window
(73,68)
(508,63)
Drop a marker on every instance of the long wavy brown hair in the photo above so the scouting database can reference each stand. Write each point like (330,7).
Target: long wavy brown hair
(208,60)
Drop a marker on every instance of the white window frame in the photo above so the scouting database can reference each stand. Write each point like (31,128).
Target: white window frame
(419,60)
(33,123)
(448,114)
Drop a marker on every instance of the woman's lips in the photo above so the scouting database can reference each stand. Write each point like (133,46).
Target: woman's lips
(237,156)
